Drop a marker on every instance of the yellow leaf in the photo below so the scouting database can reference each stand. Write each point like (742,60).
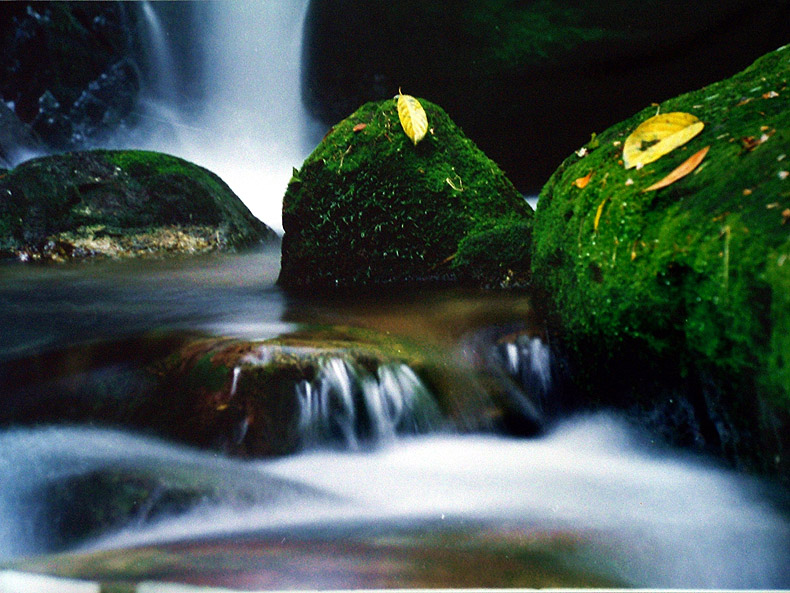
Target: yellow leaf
(598,214)
(684,169)
(412,117)
(657,136)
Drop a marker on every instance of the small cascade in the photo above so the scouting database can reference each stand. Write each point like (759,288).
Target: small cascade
(528,361)
(351,406)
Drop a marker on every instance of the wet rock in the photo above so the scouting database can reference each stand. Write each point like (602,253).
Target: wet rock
(340,387)
(120,204)
(369,207)
(58,47)
(281,395)
(95,503)
(105,105)
(687,285)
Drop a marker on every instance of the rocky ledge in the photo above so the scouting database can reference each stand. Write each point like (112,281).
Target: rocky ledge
(120,204)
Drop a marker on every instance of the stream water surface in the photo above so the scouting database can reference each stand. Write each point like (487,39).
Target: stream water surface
(592,502)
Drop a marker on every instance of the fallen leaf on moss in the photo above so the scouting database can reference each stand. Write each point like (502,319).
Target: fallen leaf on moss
(598,214)
(785,215)
(412,117)
(359,127)
(784,175)
(582,182)
(770,95)
(658,135)
(684,169)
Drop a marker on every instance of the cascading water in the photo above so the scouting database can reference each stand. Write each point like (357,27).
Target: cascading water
(647,519)
(646,515)
(352,406)
(249,125)
(160,67)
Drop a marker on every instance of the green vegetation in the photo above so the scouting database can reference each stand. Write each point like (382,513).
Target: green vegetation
(369,207)
(694,276)
(119,203)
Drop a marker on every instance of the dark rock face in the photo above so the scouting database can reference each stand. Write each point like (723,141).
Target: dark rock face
(369,207)
(529,81)
(69,68)
(120,203)
(685,286)
(102,108)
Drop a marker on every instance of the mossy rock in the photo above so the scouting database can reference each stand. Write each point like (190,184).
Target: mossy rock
(689,281)
(322,386)
(277,396)
(369,207)
(498,257)
(120,203)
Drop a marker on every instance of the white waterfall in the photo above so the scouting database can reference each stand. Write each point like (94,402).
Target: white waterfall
(250,126)
(347,404)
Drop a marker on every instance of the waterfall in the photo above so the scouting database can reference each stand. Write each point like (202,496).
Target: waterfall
(249,125)
(347,404)
(160,66)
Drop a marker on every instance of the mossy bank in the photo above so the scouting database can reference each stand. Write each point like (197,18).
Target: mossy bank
(119,204)
(686,284)
(370,207)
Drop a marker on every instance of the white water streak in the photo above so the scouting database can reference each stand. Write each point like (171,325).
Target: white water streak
(252,129)
(663,521)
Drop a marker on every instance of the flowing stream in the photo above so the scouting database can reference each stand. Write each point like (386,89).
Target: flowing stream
(593,498)
(591,502)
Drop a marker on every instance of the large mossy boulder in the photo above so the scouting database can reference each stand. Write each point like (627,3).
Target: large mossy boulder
(120,203)
(370,207)
(687,284)
(527,80)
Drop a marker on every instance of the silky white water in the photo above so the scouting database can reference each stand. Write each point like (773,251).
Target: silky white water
(655,519)
(250,127)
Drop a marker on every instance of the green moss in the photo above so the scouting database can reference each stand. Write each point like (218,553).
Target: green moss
(499,256)
(46,201)
(694,272)
(511,34)
(368,206)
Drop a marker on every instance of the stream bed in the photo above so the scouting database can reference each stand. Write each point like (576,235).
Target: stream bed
(591,502)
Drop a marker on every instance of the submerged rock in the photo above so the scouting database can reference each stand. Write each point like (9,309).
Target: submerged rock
(120,204)
(369,207)
(277,396)
(341,387)
(685,285)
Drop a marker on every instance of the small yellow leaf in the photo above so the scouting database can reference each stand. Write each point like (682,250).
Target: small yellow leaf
(582,182)
(598,214)
(657,136)
(684,169)
(412,117)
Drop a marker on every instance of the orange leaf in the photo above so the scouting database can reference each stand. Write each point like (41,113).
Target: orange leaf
(684,169)
(582,182)
(360,127)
